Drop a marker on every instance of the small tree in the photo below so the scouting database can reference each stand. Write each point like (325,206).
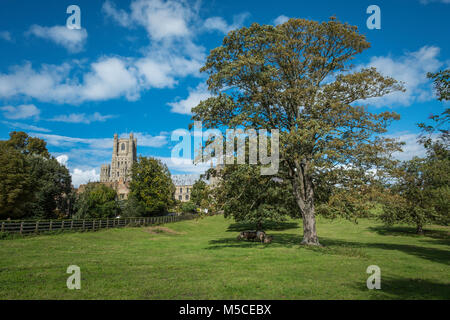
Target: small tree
(408,200)
(200,193)
(97,201)
(422,190)
(151,186)
(188,207)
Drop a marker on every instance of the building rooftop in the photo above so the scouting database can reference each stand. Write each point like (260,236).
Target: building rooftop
(186,179)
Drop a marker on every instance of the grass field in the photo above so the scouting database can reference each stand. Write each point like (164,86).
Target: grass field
(203,260)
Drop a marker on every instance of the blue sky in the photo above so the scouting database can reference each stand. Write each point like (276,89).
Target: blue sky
(134,67)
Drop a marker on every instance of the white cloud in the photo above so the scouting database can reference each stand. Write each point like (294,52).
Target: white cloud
(25,126)
(144,140)
(280,20)
(195,96)
(80,176)
(107,78)
(23,111)
(162,19)
(156,74)
(184,165)
(118,15)
(64,141)
(147,140)
(219,23)
(5,35)
(412,69)
(82,118)
(63,159)
(71,39)
(110,78)
(411,148)
(171,55)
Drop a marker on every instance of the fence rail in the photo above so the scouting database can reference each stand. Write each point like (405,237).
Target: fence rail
(38,226)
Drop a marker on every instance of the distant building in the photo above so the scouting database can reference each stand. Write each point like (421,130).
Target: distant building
(117,175)
(183,185)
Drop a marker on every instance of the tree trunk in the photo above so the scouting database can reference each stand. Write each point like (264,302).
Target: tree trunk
(304,194)
(419,229)
(259,226)
(309,226)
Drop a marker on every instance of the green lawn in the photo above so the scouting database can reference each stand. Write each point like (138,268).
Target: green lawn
(205,261)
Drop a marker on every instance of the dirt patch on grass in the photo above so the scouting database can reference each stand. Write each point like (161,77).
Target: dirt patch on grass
(159,230)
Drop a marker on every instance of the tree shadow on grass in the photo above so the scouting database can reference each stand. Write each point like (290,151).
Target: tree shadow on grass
(336,247)
(267,226)
(410,231)
(427,253)
(404,288)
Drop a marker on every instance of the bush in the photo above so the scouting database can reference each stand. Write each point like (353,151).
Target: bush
(97,201)
(188,207)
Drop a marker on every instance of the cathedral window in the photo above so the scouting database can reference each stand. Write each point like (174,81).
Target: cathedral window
(123,146)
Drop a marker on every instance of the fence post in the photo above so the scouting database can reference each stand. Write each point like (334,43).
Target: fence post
(71,224)
(36,229)
(107,223)
(3,226)
(62,225)
(83,224)
(51,225)
(93,225)
(21,227)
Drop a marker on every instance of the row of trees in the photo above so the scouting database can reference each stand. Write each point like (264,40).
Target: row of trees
(34,185)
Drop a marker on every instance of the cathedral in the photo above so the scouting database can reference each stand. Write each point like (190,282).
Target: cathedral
(118,174)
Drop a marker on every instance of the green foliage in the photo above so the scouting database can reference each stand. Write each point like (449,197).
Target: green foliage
(53,188)
(247,196)
(441,81)
(200,194)
(133,208)
(188,207)
(152,186)
(96,201)
(16,184)
(422,190)
(27,145)
(278,77)
(409,201)
(32,183)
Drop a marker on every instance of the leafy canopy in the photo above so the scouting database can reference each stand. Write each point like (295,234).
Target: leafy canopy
(297,78)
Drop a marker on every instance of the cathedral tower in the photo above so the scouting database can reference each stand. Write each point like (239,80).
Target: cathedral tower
(123,157)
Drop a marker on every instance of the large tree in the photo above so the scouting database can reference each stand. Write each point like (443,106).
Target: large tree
(16,184)
(295,77)
(32,182)
(151,186)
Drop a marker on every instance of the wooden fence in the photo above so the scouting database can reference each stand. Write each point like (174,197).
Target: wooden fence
(38,226)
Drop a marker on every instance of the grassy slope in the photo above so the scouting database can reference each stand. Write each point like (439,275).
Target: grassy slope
(206,262)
